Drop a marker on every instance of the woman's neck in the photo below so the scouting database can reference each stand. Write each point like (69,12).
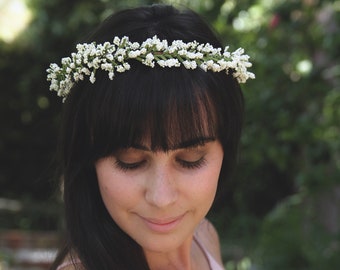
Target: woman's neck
(188,256)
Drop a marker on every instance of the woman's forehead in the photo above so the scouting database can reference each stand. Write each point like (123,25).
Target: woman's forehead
(146,145)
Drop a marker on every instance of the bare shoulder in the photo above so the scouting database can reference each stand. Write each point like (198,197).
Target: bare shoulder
(208,236)
(70,263)
(71,266)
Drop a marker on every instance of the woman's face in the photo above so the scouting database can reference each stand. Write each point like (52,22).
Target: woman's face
(158,198)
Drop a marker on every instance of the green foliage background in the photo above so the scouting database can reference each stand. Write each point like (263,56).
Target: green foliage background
(282,209)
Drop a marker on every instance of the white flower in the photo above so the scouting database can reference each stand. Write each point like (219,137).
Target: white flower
(96,63)
(126,66)
(172,49)
(109,56)
(66,60)
(86,71)
(190,64)
(92,77)
(147,43)
(209,63)
(78,76)
(182,52)
(149,60)
(134,54)
(106,66)
(135,46)
(190,55)
(159,45)
(124,40)
(114,56)
(172,63)
(216,67)
(116,41)
(204,67)
(120,68)
(161,63)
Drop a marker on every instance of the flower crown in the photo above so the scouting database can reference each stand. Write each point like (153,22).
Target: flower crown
(113,57)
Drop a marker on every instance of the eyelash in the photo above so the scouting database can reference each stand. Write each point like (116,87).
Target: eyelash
(128,166)
(185,164)
(192,164)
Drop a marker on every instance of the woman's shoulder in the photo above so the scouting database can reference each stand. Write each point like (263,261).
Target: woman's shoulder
(70,266)
(67,267)
(70,263)
(208,237)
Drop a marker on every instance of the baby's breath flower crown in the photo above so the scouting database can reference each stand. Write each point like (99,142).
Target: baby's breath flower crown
(113,57)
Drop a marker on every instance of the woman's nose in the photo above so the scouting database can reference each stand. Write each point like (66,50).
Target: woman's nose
(161,190)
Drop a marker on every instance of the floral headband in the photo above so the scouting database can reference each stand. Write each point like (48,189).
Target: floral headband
(113,57)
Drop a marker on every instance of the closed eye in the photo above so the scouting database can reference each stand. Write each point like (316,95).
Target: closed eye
(129,166)
(192,164)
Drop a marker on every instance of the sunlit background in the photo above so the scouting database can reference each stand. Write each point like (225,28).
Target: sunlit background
(14,17)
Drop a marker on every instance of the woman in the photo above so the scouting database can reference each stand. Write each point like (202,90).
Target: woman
(150,132)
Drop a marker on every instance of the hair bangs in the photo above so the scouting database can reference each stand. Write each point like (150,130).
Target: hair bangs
(162,109)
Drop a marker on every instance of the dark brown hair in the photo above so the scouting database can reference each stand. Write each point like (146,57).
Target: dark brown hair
(167,105)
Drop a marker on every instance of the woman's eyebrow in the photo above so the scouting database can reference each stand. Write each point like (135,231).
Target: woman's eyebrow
(186,144)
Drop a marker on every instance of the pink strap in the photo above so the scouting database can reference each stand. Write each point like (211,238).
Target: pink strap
(214,265)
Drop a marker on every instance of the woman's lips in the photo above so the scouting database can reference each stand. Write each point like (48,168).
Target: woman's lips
(162,225)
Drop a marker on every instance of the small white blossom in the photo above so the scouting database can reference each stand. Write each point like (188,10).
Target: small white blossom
(172,49)
(160,45)
(86,71)
(124,40)
(96,63)
(172,63)
(161,63)
(149,60)
(92,77)
(109,56)
(116,41)
(209,63)
(78,76)
(182,52)
(190,64)
(216,67)
(135,46)
(120,68)
(126,66)
(134,54)
(66,60)
(204,67)
(114,56)
(106,66)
